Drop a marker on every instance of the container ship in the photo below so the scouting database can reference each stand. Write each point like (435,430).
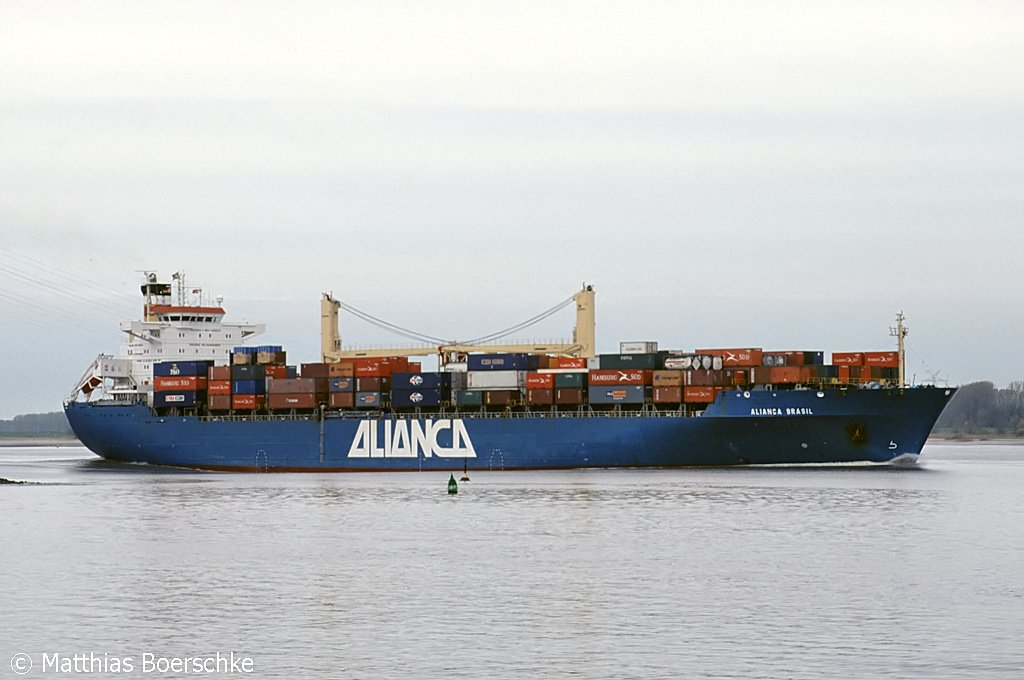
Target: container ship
(188,389)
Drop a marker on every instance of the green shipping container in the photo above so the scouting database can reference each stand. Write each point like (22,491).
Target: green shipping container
(469,397)
(570,380)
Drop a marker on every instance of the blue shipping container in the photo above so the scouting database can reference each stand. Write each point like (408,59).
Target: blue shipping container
(406,398)
(247,372)
(341,384)
(502,362)
(165,369)
(182,399)
(619,394)
(420,381)
(364,399)
(249,387)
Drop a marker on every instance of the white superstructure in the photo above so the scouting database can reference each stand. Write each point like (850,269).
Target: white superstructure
(184,329)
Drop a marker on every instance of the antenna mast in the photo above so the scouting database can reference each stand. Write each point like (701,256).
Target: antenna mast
(900,332)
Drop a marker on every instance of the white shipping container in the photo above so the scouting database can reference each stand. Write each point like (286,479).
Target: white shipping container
(496,380)
(456,367)
(638,347)
(593,363)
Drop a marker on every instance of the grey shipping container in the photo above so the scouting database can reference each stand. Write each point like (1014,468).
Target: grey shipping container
(647,362)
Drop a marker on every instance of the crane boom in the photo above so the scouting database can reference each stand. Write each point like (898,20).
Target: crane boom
(583,341)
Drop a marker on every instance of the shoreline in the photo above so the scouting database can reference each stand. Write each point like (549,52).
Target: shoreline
(29,440)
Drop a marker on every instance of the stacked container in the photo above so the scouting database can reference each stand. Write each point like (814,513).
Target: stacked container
(180,384)
(411,389)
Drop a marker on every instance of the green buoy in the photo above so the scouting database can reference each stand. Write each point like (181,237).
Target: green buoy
(453,486)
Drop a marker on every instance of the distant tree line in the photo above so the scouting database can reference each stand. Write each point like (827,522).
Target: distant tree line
(43,424)
(980,408)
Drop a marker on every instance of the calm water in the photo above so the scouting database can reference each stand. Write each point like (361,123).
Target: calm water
(781,572)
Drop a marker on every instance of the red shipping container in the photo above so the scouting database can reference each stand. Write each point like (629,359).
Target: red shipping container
(739,377)
(736,357)
(569,362)
(413,367)
(178,383)
(540,381)
(219,387)
(247,402)
(848,358)
(219,373)
(296,385)
(699,377)
(844,373)
(220,402)
(379,368)
(784,375)
(342,399)
(668,395)
(882,359)
(501,397)
(341,369)
(612,376)
(275,371)
(289,401)
(694,394)
(372,384)
(542,397)
(569,396)
(315,370)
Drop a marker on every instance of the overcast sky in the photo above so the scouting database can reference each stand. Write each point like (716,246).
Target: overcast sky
(779,175)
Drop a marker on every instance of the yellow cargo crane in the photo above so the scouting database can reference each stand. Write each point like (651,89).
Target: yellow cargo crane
(583,337)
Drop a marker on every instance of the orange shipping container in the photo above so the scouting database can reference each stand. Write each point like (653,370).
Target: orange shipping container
(219,387)
(540,381)
(380,368)
(342,399)
(569,396)
(784,375)
(219,373)
(844,373)
(542,397)
(220,402)
(668,395)
(694,394)
(176,383)
(848,358)
(667,378)
(882,359)
(612,376)
(247,402)
(342,369)
(289,401)
(276,371)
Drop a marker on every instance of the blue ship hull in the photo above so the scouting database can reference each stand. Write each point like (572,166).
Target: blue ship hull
(740,428)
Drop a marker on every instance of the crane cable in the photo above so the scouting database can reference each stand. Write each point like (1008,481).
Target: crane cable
(522,325)
(423,337)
